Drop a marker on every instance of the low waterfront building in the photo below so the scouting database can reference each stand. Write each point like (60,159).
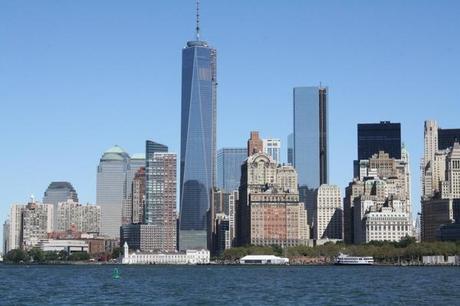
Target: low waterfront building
(441,260)
(189,257)
(69,246)
(264,260)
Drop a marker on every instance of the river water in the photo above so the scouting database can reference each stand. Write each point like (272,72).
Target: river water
(228,285)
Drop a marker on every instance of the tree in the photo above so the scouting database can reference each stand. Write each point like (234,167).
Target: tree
(16,256)
(116,252)
(79,256)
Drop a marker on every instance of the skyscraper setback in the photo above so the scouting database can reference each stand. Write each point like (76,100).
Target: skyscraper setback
(198,140)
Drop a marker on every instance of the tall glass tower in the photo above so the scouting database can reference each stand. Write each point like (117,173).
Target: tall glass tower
(311,136)
(198,141)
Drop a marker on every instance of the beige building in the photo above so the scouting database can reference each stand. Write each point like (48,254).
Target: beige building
(37,222)
(83,218)
(381,192)
(269,211)
(328,213)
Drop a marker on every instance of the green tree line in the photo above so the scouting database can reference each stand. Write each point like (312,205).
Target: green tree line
(407,250)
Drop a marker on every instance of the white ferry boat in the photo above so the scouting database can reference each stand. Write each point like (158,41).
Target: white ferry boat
(344,259)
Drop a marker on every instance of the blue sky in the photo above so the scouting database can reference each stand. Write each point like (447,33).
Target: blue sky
(77,77)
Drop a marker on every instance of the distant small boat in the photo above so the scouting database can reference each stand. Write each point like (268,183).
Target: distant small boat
(344,259)
(116,274)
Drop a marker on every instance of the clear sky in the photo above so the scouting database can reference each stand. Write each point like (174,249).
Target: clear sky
(77,77)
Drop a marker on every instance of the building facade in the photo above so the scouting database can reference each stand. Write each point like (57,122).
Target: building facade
(375,137)
(136,162)
(310,135)
(268,210)
(328,213)
(198,142)
(37,222)
(58,192)
(272,147)
(229,161)
(111,189)
(255,143)
(377,203)
(160,209)
(82,218)
(138,197)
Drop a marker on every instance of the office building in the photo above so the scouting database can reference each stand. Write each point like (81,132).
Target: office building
(136,162)
(377,203)
(58,192)
(82,218)
(272,147)
(198,141)
(111,190)
(328,213)
(310,136)
(138,197)
(437,212)
(375,137)
(269,211)
(290,149)
(229,161)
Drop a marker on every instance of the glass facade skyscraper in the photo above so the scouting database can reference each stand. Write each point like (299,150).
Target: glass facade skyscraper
(374,137)
(111,190)
(229,161)
(198,142)
(310,137)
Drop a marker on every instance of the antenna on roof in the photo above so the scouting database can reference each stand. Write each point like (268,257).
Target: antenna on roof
(197,20)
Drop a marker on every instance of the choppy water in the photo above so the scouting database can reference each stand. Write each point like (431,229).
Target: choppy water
(229,285)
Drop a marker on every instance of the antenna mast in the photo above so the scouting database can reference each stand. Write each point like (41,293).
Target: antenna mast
(197,20)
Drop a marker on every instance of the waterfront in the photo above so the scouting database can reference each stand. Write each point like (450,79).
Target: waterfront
(209,285)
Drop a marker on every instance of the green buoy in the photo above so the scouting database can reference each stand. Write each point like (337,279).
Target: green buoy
(116,274)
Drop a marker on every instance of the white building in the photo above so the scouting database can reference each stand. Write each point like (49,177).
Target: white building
(328,213)
(388,224)
(190,257)
(264,260)
(69,246)
(272,147)
(37,222)
(15,228)
(85,218)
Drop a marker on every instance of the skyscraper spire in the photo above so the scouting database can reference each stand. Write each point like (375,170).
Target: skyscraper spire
(197,20)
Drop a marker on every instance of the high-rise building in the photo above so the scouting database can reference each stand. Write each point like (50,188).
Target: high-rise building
(310,154)
(58,192)
(138,197)
(82,218)
(6,236)
(229,161)
(269,211)
(375,137)
(111,190)
(377,204)
(255,144)
(328,213)
(37,222)
(160,209)
(15,229)
(151,180)
(198,141)
(272,147)
(290,149)
(136,162)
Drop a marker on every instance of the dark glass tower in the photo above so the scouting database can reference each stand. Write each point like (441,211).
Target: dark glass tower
(375,137)
(447,138)
(198,141)
(229,161)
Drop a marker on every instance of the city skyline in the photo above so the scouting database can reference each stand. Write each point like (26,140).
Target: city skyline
(132,136)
